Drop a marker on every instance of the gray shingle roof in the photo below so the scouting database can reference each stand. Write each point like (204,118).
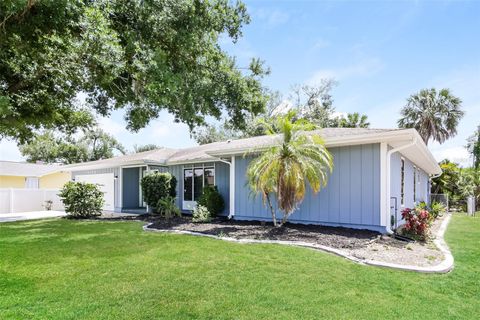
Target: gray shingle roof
(211,151)
(24,169)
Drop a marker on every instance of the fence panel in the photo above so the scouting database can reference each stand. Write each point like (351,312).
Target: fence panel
(24,200)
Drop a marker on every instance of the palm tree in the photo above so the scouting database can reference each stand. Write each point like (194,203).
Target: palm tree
(285,169)
(354,120)
(434,115)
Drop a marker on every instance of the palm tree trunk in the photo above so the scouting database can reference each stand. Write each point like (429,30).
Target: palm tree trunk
(274,218)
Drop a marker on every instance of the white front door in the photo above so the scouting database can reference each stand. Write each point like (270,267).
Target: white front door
(105,181)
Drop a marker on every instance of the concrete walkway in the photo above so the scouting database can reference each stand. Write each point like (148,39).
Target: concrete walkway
(21,216)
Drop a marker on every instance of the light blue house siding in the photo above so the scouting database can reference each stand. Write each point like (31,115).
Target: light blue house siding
(351,197)
(411,195)
(222,181)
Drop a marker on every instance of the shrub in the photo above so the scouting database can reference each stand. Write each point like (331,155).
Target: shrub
(201,214)
(82,199)
(417,221)
(156,186)
(167,207)
(212,200)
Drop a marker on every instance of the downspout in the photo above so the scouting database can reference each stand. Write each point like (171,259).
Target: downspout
(389,158)
(231,165)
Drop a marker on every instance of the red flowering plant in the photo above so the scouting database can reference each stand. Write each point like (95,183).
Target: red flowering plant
(417,221)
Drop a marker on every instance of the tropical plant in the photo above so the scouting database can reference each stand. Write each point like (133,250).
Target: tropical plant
(82,199)
(434,115)
(354,120)
(157,186)
(201,214)
(300,158)
(437,208)
(167,207)
(417,222)
(212,200)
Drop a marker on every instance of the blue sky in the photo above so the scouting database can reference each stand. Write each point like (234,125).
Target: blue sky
(379,52)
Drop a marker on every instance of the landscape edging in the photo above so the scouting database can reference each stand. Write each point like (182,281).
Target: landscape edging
(445,266)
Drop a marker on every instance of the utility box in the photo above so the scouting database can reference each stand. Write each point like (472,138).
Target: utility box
(471,206)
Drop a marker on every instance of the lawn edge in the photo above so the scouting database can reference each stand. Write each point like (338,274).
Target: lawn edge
(445,266)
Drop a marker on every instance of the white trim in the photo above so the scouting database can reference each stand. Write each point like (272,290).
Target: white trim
(402,182)
(232,188)
(384,202)
(389,173)
(120,187)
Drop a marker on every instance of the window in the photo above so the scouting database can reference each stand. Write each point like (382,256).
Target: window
(31,182)
(194,180)
(414,183)
(402,182)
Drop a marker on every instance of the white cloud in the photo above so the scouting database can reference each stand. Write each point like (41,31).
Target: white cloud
(363,68)
(457,154)
(9,151)
(111,126)
(272,18)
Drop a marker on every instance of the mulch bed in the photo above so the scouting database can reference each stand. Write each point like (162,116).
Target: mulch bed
(336,237)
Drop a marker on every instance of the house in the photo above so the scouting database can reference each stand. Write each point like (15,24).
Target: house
(376,173)
(32,175)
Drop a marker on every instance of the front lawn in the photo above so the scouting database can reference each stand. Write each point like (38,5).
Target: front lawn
(65,269)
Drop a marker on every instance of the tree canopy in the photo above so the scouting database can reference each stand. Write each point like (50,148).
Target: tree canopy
(312,103)
(434,114)
(62,61)
(48,147)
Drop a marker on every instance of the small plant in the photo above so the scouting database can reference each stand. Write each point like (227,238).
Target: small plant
(167,207)
(201,214)
(48,205)
(82,199)
(212,200)
(417,222)
(437,209)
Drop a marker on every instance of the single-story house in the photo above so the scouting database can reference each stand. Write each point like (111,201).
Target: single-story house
(21,175)
(376,173)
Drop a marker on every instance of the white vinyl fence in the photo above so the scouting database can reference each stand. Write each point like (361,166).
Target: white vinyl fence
(24,200)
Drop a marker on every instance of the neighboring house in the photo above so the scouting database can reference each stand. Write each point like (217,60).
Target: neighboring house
(32,175)
(373,170)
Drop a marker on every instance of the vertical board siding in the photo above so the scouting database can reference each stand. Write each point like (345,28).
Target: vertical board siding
(116,183)
(351,197)
(422,192)
(222,181)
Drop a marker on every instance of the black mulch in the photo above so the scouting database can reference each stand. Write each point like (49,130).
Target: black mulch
(336,237)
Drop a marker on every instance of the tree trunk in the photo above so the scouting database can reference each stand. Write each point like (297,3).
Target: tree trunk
(274,218)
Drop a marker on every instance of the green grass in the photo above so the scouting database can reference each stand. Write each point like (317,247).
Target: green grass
(62,269)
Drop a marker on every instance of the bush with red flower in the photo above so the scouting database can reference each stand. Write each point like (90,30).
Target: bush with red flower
(417,221)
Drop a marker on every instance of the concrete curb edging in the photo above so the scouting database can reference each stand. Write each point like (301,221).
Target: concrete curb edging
(445,266)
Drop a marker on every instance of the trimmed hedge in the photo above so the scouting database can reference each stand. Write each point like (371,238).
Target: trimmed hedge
(157,186)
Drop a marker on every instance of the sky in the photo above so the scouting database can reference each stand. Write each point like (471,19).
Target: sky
(380,52)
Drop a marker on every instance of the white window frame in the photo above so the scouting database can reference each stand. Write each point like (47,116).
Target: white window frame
(191,204)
